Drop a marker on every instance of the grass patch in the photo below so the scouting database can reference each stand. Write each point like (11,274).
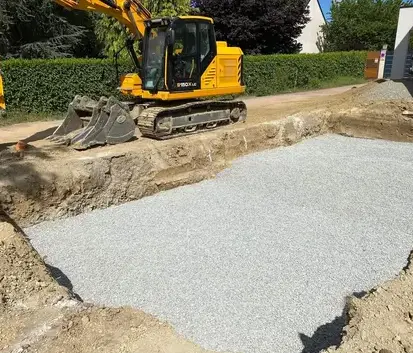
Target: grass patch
(17,117)
(317,84)
(341,81)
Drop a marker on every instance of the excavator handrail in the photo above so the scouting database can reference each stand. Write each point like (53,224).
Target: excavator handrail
(130,13)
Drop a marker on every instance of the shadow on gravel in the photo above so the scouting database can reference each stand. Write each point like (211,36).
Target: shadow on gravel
(329,334)
(62,279)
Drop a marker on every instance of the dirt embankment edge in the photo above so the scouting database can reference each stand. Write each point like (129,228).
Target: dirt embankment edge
(40,187)
(382,320)
(39,315)
(36,189)
(382,120)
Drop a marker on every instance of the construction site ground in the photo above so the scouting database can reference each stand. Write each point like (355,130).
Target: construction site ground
(256,259)
(277,106)
(49,182)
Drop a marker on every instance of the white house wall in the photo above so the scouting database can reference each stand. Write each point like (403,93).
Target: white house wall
(310,32)
(402,42)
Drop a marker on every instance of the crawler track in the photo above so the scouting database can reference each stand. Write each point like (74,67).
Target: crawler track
(162,122)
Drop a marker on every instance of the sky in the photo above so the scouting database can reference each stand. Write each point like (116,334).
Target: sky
(325,4)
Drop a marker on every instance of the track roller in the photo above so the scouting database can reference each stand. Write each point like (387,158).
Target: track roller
(164,122)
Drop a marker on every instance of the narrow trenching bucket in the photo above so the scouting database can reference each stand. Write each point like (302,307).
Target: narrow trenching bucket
(79,110)
(90,123)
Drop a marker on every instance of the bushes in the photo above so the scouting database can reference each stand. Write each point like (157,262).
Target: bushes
(270,74)
(49,85)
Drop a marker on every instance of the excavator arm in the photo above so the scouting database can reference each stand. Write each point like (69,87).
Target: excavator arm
(130,13)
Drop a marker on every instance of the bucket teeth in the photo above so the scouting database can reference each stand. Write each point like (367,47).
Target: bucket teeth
(108,122)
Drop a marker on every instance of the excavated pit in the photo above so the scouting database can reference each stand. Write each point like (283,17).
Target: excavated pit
(260,257)
(42,316)
(50,183)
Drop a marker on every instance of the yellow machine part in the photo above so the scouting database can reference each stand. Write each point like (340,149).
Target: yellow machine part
(197,18)
(108,121)
(131,19)
(222,77)
(2,100)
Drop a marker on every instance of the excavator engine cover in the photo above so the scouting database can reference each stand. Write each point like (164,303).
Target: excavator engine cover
(90,123)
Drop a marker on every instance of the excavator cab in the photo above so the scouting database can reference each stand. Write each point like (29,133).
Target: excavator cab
(176,53)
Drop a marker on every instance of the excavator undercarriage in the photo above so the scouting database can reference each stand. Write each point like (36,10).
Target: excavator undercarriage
(91,123)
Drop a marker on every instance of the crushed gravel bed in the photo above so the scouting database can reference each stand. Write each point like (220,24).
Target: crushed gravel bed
(259,259)
(390,90)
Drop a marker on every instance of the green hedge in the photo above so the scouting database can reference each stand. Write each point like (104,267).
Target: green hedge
(265,75)
(49,85)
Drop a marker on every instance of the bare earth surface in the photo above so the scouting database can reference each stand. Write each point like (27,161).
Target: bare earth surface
(13,133)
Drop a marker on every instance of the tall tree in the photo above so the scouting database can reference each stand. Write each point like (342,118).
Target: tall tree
(42,29)
(168,7)
(112,34)
(258,26)
(362,24)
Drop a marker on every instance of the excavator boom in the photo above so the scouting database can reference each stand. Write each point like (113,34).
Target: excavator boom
(130,13)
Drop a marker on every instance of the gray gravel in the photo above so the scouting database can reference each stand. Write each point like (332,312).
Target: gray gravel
(390,90)
(258,259)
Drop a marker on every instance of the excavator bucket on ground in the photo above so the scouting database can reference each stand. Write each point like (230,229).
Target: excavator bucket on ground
(91,123)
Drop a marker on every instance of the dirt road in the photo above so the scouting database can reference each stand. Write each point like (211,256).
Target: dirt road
(260,108)
(253,102)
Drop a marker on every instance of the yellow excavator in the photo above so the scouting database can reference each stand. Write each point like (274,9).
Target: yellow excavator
(2,100)
(180,70)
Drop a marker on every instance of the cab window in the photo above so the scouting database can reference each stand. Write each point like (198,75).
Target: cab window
(185,63)
(205,40)
(208,48)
